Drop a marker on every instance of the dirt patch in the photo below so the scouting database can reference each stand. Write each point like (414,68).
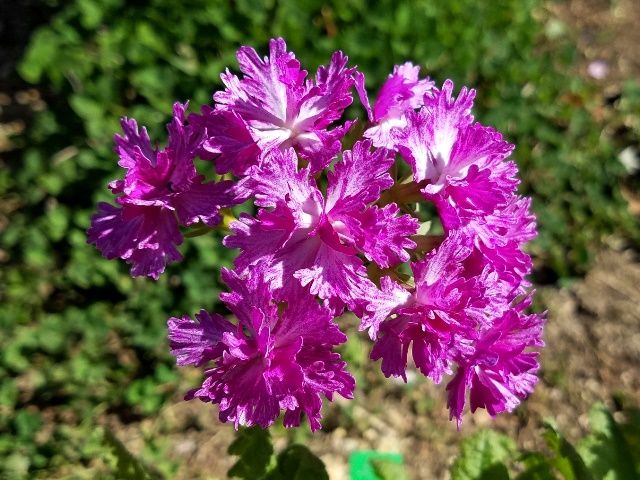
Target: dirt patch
(607,32)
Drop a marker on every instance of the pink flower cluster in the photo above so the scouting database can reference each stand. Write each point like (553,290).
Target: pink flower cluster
(337,230)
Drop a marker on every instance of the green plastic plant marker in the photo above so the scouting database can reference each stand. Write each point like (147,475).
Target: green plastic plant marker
(361,464)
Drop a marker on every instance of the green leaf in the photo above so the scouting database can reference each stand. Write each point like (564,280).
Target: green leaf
(606,450)
(389,470)
(42,51)
(91,13)
(16,465)
(253,446)
(566,460)
(57,222)
(631,431)
(537,467)
(482,457)
(128,466)
(86,107)
(27,423)
(296,462)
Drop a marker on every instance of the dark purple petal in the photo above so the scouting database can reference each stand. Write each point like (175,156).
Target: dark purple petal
(383,235)
(145,236)
(202,202)
(196,342)
(227,140)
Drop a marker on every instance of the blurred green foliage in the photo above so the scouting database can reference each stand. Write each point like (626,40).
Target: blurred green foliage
(482,457)
(257,461)
(128,467)
(80,338)
(609,452)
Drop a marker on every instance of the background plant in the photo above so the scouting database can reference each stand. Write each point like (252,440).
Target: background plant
(610,451)
(80,338)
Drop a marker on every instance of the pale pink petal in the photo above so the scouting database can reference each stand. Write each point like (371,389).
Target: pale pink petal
(336,274)
(429,138)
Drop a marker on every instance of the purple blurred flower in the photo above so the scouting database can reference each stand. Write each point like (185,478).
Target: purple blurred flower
(598,69)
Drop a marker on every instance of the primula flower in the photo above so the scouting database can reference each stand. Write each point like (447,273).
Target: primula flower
(403,91)
(314,238)
(274,105)
(160,191)
(279,357)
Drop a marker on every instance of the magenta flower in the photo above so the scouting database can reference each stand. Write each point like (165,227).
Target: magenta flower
(274,105)
(198,342)
(403,91)
(279,357)
(326,237)
(500,371)
(460,312)
(301,234)
(145,236)
(462,168)
(461,162)
(434,317)
(499,239)
(160,191)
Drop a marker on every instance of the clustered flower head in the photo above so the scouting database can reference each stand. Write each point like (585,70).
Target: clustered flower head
(431,261)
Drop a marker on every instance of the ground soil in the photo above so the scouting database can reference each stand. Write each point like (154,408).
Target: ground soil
(604,30)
